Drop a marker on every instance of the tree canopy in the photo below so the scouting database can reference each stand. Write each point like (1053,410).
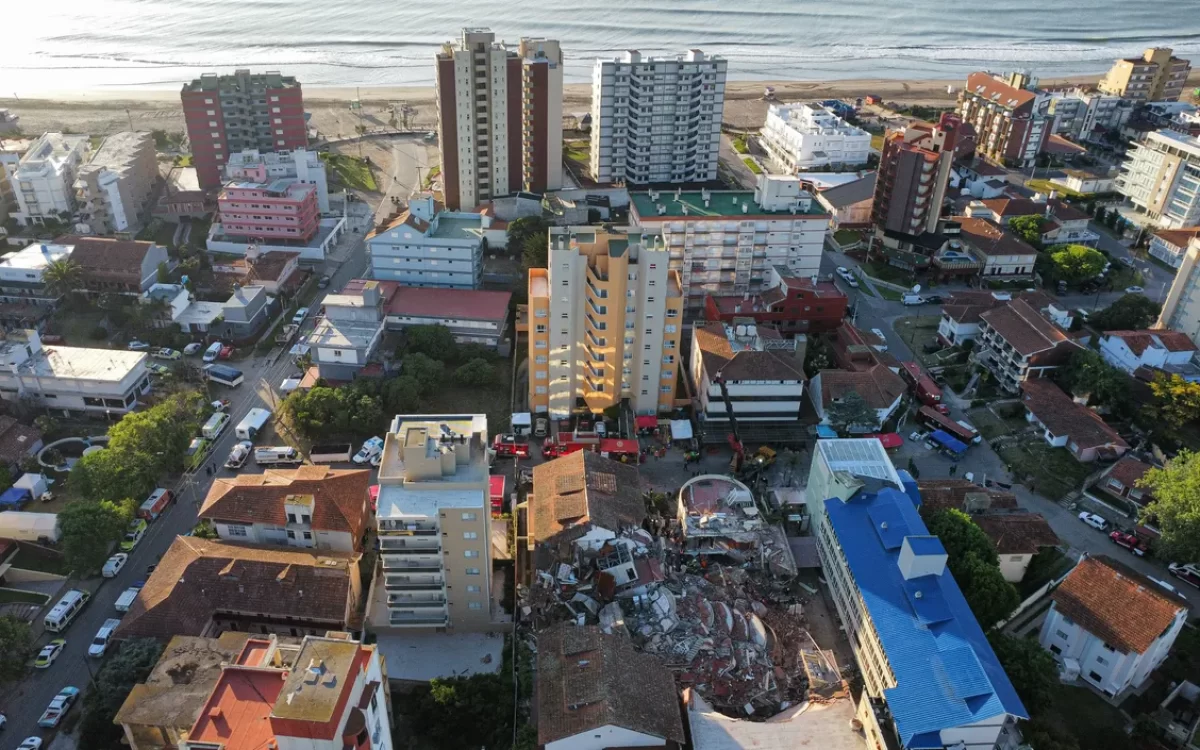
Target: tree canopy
(465,712)
(16,644)
(477,372)
(355,409)
(436,342)
(1076,262)
(1031,669)
(960,536)
(1087,373)
(852,411)
(1176,401)
(1028,228)
(1130,312)
(1175,504)
(89,530)
(529,236)
(971,558)
(114,681)
(63,276)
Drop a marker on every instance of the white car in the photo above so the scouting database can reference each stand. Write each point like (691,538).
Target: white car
(238,456)
(370,449)
(193,348)
(300,315)
(1093,520)
(114,565)
(883,344)
(1134,290)
(30,743)
(847,276)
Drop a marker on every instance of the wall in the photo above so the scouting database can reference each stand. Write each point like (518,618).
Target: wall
(1013,567)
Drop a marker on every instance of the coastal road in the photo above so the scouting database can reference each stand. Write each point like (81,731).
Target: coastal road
(23,702)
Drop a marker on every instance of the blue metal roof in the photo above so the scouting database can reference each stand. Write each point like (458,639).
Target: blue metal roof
(946,440)
(946,672)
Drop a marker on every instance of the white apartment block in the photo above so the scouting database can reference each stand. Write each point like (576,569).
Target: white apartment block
(800,137)
(1077,113)
(112,191)
(726,242)
(434,525)
(762,372)
(300,165)
(1161,177)
(22,274)
(1181,308)
(67,379)
(606,318)
(657,120)
(44,179)
(427,247)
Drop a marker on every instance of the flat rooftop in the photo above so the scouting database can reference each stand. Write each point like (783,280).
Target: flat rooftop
(722,203)
(77,363)
(455,228)
(121,150)
(200,313)
(862,457)
(466,487)
(343,334)
(423,656)
(36,257)
(302,699)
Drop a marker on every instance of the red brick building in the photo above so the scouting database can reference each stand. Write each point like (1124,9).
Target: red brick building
(228,114)
(791,304)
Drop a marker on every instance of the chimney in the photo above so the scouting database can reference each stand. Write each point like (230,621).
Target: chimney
(921,556)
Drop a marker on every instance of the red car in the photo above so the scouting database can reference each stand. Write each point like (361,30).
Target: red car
(226,352)
(1129,542)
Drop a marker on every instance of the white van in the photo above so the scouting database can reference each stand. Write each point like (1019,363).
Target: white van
(99,644)
(277,455)
(913,299)
(127,598)
(212,352)
(215,425)
(58,618)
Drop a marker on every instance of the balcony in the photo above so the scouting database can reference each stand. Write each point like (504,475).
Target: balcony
(404,562)
(401,620)
(414,582)
(429,544)
(416,600)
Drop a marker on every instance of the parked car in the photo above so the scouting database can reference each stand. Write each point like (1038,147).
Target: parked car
(1129,542)
(157,369)
(1127,262)
(912,299)
(226,352)
(300,315)
(239,455)
(220,404)
(1134,290)
(1093,520)
(935,299)
(1189,573)
(137,529)
(193,348)
(168,353)
(138,346)
(371,448)
(49,653)
(58,708)
(31,743)
(847,276)
(883,344)
(324,282)
(541,427)
(115,563)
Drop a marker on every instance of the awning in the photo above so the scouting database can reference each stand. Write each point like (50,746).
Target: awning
(646,422)
(523,419)
(681,429)
(890,440)
(299,350)
(613,445)
(496,486)
(948,441)
(289,384)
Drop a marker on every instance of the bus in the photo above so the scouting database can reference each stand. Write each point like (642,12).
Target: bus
(224,375)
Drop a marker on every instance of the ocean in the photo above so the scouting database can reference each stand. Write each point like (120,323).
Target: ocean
(72,45)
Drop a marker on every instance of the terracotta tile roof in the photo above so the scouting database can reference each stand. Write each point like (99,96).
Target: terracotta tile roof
(581,490)
(989,239)
(16,439)
(339,498)
(1140,341)
(1128,471)
(404,217)
(1178,237)
(1024,328)
(1017,533)
(939,494)
(879,386)
(588,680)
(460,305)
(1062,416)
(198,578)
(1056,144)
(108,257)
(1003,95)
(718,355)
(1117,604)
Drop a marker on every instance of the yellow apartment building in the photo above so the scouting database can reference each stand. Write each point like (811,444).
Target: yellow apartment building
(1154,77)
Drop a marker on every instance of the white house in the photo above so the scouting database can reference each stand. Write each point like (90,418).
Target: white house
(1080,181)
(762,371)
(70,378)
(881,388)
(1110,625)
(1170,245)
(43,181)
(21,274)
(426,247)
(1171,351)
(345,337)
(808,136)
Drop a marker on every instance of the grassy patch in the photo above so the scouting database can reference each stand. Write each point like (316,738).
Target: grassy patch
(847,237)
(752,165)
(877,142)
(158,231)
(577,151)
(434,172)
(739,144)
(992,426)
(350,171)
(76,326)
(29,558)
(1051,472)
(888,294)
(1084,715)
(884,272)
(917,331)
(13,596)
(1045,186)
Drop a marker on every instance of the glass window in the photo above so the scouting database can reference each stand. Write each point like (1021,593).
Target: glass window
(468,516)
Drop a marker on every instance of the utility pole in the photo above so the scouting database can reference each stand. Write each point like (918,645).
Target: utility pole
(130,116)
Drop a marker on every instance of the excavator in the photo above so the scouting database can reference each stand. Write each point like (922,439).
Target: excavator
(741,464)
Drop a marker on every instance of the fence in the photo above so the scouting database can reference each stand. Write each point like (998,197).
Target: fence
(1034,598)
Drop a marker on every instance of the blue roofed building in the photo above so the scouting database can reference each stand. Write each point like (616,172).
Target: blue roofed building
(931,680)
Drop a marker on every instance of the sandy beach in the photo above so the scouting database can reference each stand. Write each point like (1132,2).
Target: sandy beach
(106,111)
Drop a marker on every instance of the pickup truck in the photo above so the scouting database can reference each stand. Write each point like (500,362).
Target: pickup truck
(1129,542)
(58,708)
(1186,573)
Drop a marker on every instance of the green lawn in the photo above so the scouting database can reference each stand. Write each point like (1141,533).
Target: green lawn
(752,165)
(1085,716)
(1045,186)
(350,171)
(888,294)
(76,326)
(739,144)
(917,331)
(847,237)
(885,272)
(434,171)
(31,559)
(577,151)
(1052,472)
(992,426)
(161,232)
(13,596)
(877,142)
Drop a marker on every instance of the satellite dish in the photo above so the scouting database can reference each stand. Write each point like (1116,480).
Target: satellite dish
(916,288)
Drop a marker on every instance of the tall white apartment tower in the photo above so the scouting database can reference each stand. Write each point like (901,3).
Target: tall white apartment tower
(657,120)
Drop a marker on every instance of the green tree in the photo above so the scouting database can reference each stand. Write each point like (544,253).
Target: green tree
(1130,312)
(1044,735)
(433,341)
(114,475)
(163,274)
(465,712)
(16,644)
(817,357)
(852,411)
(1086,372)
(1176,401)
(960,536)
(1030,668)
(1076,262)
(62,277)
(478,373)
(114,681)
(1175,504)
(990,597)
(205,530)
(426,371)
(402,395)
(89,530)
(1028,228)
(530,236)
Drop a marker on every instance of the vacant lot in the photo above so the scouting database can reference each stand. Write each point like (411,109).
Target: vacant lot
(1051,472)
(350,171)
(1085,716)
(992,426)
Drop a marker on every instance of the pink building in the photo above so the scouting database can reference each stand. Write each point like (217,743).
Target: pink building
(282,210)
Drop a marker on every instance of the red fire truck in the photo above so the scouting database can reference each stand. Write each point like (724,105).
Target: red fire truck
(927,391)
(511,445)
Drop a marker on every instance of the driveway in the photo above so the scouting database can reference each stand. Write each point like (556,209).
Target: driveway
(732,161)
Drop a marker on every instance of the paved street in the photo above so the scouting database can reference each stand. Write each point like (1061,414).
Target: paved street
(24,702)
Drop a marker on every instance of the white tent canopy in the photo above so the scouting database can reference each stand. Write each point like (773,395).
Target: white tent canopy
(681,429)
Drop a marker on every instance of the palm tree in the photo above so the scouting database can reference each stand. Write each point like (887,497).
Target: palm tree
(63,277)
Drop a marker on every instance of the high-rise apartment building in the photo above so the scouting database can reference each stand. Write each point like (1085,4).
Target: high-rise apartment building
(728,241)
(606,317)
(914,172)
(1011,123)
(434,525)
(499,117)
(43,181)
(657,120)
(113,189)
(1155,76)
(1161,177)
(541,115)
(1181,308)
(225,114)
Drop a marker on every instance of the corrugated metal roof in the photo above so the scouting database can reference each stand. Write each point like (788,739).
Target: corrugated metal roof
(864,457)
(946,673)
